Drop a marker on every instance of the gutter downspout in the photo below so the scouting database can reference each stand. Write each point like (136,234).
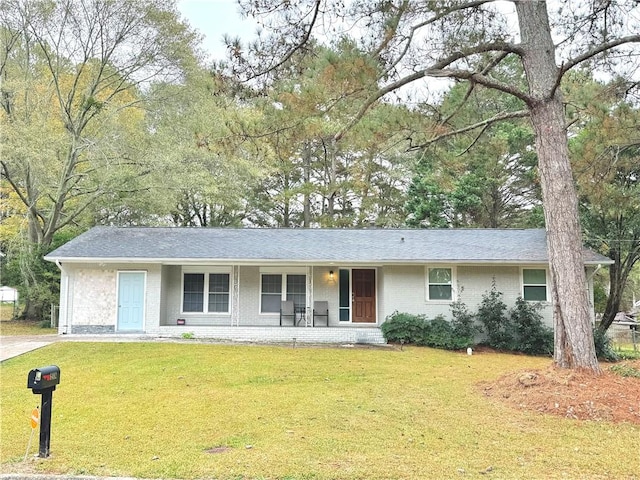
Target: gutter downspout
(63,328)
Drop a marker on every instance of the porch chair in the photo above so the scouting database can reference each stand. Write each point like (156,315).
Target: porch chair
(321,310)
(287,311)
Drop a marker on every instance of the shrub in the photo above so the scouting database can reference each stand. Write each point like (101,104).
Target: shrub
(464,328)
(404,328)
(438,333)
(530,335)
(418,330)
(604,347)
(491,314)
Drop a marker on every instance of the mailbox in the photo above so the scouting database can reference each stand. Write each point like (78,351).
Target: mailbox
(43,381)
(43,378)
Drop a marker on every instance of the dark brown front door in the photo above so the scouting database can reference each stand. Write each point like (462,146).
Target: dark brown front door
(364,296)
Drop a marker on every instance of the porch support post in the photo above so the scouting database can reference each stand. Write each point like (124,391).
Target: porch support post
(235,307)
(309,313)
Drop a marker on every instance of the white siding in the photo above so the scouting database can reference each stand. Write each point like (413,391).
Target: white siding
(404,289)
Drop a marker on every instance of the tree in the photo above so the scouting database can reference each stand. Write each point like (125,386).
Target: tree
(471,180)
(606,160)
(465,41)
(203,167)
(72,74)
(312,181)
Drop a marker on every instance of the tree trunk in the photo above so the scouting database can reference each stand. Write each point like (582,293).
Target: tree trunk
(618,276)
(574,346)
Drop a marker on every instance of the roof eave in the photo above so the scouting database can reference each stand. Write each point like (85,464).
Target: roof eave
(326,261)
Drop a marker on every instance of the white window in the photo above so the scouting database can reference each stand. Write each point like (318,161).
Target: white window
(205,292)
(276,287)
(534,284)
(440,282)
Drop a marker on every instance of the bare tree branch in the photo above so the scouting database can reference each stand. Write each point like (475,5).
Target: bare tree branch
(483,124)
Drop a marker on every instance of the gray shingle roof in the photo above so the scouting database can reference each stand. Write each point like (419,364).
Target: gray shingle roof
(197,245)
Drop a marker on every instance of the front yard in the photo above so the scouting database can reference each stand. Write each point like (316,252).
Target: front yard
(198,410)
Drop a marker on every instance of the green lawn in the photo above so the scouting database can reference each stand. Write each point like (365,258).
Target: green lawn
(9,326)
(153,410)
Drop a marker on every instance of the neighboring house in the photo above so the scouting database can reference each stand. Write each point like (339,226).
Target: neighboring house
(231,283)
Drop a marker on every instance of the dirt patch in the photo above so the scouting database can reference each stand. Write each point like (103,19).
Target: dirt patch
(220,449)
(610,396)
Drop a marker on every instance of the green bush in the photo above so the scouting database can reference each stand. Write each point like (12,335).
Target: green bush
(604,346)
(419,330)
(492,315)
(438,333)
(404,328)
(463,323)
(530,335)
(519,330)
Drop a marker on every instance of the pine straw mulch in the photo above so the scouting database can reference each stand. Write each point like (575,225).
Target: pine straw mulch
(572,394)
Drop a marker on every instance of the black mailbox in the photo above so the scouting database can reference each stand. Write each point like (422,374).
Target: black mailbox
(43,378)
(43,381)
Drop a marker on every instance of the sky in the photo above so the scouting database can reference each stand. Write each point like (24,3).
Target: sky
(214,18)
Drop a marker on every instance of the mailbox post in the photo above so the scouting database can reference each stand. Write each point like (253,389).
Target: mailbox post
(43,381)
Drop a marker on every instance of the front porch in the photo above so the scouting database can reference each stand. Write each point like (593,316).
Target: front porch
(351,335)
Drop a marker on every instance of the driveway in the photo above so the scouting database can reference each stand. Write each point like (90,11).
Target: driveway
(12,346)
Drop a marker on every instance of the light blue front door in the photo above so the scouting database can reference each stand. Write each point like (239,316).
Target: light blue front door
(131,301)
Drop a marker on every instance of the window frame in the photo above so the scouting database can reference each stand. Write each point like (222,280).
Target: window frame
(206,271)
(523,285)
(454,279)
(284,273)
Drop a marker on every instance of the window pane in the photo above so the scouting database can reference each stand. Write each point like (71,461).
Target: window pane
(296,283)
(219,283)
(439,292)
(271,283)
(219,302)
(270,303)
(297,289)
(271,293)
(534,277)
(440,275)
(345,295)
(344,314)
(193,295)
(538,294)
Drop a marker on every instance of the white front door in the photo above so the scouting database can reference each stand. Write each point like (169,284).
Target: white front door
(131,301)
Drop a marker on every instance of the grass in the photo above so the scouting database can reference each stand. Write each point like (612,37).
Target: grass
(154,410)
(10,326)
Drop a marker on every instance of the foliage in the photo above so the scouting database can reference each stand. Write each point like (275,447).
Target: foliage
(606,158)
(625,370)
(604,346)
(404,328)
(37,281)
(470,181)
(463,323)
(492,315)
(71,119)
(438,332)
(530,334)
